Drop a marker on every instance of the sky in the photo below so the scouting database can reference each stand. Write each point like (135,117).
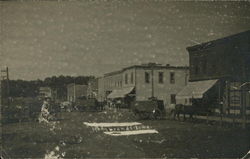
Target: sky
(41,39)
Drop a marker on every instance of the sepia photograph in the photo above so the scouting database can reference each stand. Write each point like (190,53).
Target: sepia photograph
(124,79)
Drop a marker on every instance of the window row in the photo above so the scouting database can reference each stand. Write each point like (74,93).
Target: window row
(147,77)
(160,77)
(114,84)
(201,66)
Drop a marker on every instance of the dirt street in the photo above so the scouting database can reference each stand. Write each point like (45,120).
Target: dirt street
(70,138)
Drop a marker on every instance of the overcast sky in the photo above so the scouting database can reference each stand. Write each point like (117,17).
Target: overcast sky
(41,39)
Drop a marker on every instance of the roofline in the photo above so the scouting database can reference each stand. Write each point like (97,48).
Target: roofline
(195,47)
(156,66)
(146,67)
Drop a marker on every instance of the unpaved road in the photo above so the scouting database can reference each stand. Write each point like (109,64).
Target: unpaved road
(76,140)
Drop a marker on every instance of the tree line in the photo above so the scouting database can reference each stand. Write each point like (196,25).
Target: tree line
(22,88)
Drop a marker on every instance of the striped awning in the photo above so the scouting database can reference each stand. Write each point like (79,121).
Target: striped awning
(195,90)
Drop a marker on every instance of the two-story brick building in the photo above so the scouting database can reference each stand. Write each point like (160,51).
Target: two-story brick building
(219,74)
(140,82)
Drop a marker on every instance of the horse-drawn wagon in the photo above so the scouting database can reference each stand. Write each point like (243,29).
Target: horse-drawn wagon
(149,109)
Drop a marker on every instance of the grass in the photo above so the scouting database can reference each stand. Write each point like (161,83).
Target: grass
(175,139)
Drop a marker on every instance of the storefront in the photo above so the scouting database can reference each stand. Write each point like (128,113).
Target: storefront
(237,99)
(223,97)
(199,92)
(122,97)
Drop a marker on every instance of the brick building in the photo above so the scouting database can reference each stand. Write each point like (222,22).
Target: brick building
(219,74)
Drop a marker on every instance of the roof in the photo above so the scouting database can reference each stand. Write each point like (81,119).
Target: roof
(195,89)
(155,66)
(147,66)
(241,39)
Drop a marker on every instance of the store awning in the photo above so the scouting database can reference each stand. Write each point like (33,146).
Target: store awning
(195,89)
(120,93)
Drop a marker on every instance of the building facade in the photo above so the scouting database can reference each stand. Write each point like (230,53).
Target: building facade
(221,69)
(75,91)
(227,58)
(47,92)
(140,82)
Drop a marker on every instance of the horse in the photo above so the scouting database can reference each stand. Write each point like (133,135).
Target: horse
(184,109)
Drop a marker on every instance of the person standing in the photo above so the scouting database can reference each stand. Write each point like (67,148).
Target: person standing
(44,115)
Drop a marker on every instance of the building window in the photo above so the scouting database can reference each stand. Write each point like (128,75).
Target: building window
(132,78)
(196,69)
(196,65)
(214,69)
(173,101)
(126,78)
(160,77)
(204,66)
(147,76)
(172,77)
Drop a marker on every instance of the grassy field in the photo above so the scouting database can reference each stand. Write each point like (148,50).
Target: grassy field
(75,140)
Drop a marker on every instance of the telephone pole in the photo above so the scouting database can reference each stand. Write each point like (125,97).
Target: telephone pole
(5,86)
(4,75)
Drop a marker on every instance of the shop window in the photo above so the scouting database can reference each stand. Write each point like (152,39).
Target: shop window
(160,77)
(147,76)
(172,77)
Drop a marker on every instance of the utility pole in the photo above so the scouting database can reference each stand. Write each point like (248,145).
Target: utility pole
(4,75)
(152,81)
(5,85)
(244,95)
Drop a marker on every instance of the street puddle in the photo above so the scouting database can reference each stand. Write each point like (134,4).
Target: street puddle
(121,129)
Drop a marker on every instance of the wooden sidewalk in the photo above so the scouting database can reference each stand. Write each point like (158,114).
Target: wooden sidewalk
(223,119)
